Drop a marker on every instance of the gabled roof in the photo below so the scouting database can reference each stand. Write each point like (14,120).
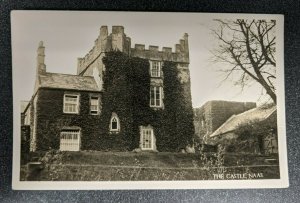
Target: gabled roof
(24,105)
(66,81)
(254,115)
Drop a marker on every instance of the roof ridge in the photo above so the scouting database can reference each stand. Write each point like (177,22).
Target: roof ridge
(218,100)
(228,120)
(245,112)
(69,74)
(272,110)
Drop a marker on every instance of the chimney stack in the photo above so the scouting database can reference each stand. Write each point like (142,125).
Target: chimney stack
(103,38)
(118,38)
(41,67)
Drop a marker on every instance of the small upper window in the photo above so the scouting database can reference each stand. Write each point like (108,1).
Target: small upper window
(71,103)
(155,68)
(114,123)
(94,105)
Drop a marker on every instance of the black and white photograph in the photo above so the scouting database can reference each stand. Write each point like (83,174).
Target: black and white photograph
(148,100)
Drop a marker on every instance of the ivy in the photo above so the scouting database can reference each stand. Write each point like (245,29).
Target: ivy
(126,92)
(251,135)
(178,109)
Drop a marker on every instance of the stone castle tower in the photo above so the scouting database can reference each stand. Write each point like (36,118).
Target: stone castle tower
(91,64)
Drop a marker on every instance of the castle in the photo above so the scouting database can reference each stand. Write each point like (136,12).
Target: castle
(121,98)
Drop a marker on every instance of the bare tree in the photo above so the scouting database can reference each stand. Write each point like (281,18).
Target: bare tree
(248,48)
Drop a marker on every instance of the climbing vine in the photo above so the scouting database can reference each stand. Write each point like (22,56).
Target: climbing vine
(126,92)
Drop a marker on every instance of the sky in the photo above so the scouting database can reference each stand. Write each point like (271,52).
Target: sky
(68,35)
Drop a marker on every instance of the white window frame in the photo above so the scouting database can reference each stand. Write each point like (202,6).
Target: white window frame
(114,116)
(156,73)
(77,104)
(93,112)
(146,134)
(67,141)
(160,89)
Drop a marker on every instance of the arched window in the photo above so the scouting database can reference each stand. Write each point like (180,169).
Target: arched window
(114,123)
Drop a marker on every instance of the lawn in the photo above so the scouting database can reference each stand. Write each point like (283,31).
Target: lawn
(111,166)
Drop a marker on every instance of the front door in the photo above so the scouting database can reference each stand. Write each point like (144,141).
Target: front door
(147,138)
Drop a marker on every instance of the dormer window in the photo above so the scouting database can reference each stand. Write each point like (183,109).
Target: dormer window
(155,68)
(114,123)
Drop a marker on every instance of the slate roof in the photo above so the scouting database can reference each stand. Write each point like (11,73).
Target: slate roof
(253,115)
(66,81)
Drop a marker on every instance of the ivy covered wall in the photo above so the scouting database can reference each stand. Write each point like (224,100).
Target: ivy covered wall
(127,93)
(51,119)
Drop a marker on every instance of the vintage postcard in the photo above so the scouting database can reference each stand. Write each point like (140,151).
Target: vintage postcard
(144,100)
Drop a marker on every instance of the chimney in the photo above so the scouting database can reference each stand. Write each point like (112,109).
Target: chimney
(103,38)
(186,44)
(118,38)
(41,67)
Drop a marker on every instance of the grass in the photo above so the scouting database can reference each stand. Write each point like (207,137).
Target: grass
(163,159)
(111,166)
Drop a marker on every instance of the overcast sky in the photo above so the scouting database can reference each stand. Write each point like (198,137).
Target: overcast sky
(68,35)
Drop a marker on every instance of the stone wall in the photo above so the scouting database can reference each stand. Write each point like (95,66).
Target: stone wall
(33,122)
(115,41)
(25,142)
(118,41)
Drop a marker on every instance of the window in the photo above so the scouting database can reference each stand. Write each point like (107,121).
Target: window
(156,96)
(147,138)
(155,68)
(114,123)
(94,105)
(71,103)
(70,140)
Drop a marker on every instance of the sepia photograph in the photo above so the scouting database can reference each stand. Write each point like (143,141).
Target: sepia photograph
(148,100)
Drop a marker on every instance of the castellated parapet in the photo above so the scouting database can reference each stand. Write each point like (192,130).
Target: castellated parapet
(117,40)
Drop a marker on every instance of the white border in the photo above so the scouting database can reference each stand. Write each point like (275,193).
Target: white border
(142,185)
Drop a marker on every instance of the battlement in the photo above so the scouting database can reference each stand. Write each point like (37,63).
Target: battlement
(181,53)
(140,47)
(118,41)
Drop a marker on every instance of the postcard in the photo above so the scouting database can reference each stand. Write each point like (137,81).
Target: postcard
(148,100)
